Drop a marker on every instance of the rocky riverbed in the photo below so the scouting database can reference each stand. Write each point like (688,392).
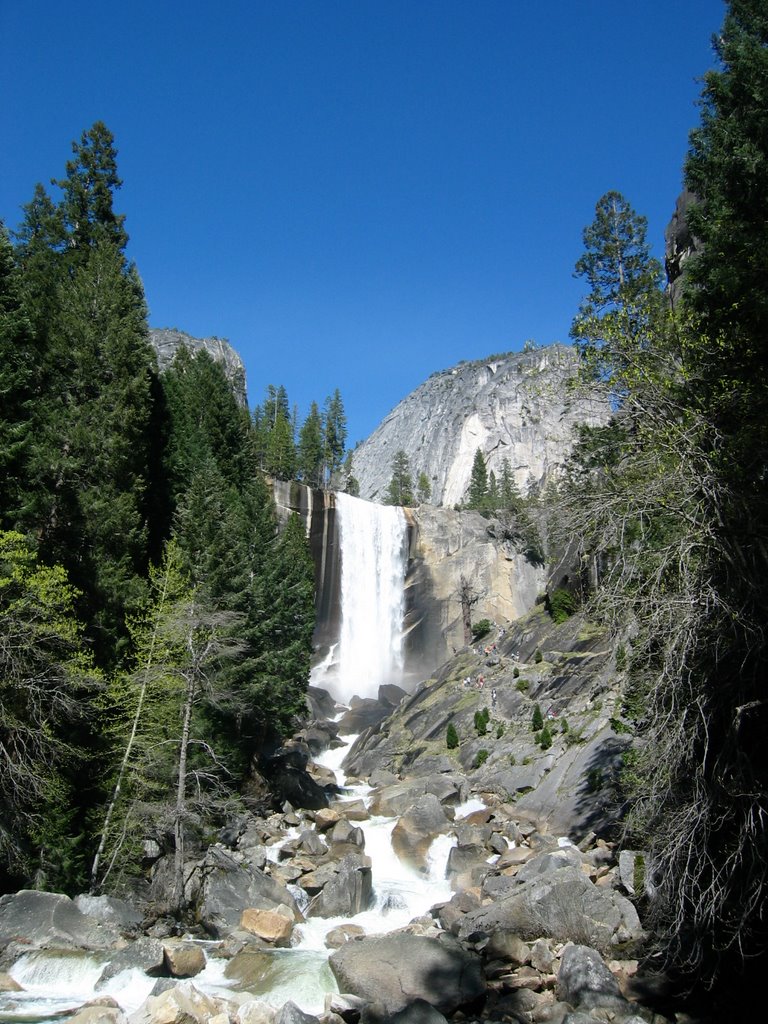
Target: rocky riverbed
(431,885)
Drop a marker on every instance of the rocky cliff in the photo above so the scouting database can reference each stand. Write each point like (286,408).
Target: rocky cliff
(518,406)
(168,340)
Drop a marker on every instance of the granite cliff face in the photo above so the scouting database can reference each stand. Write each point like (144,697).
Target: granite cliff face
(517,406)
(168,340)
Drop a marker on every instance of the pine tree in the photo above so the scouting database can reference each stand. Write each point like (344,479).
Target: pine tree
(310,450)
(17,385)
(423,488)
(335,433)
(400,487)
(477,493)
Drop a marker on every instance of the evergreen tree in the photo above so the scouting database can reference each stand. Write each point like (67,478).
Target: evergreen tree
(492,500)
(17,385)
(477,493)
(350,481)
(88,191)
(335,423)
(400,487)
(423,488)
(310,452)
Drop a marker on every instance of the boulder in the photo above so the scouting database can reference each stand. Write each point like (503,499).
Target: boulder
(145,954)
(95,1013)
(269,925)
(585,982)
(290,1013)
(183,959)
(110,911)
(417,828)
(562,905)
(182,1004)
(9,984)
(343,933)
(228,886)
(400,797)
(354,810)
(254,1011)
(326,818)
(349,892)
(397,969)
(47,919)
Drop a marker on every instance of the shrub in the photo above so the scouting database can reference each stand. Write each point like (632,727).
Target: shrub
(512,760)
(545,738)
(561,604)
(594,780)
(516,672)
(538,658)
(564,726)
(499,730)
(480,758)
(481,629)
(451,737)
(537,720)
(522,685)
(481,721)
(621,658)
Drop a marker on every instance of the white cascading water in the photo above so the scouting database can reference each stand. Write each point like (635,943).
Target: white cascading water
(374,554)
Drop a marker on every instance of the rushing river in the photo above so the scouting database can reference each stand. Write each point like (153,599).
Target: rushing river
(56,982)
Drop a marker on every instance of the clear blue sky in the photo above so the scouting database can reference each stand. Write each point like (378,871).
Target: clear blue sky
(357,193)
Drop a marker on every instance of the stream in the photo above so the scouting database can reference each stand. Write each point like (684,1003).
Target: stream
(56,982)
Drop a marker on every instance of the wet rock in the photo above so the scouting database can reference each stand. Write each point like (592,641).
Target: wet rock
(9,984)
(270,925)
(397,969)
(417,828)
(326,818)
(47,919)
(338,936)
(463,858)
(344,832)
(355,810)
(145,954)
(311,843)
(183,959)
(348,892)
(399,798)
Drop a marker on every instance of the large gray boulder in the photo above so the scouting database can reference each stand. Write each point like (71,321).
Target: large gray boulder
(45,920)
(229,887)
(562,905)
(395,970)
(348,892)
(391,801)
(110,911)
(413,834)
(585,982)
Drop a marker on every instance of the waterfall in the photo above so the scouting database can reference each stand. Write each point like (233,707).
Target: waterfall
(373,540)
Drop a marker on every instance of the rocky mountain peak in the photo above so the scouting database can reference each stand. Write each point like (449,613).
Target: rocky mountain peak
(515,405)
(168,340)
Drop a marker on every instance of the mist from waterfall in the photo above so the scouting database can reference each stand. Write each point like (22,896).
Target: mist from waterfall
(374,554)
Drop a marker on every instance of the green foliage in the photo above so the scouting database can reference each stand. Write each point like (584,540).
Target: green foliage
(561,604)
(522,685)
(334,433)
(512,760)
(595,780)
(516,672)
(311,449)
(481,721)
(47,681)
(500,730)
(545,738)
(564,727)
(481,629)
(537,719)
(423,488)
(480,758)
(400,490)
(538,657)
(621,658)
(478,483)
(451,737)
